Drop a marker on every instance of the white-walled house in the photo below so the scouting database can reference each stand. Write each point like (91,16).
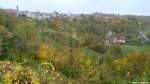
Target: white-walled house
(115,39)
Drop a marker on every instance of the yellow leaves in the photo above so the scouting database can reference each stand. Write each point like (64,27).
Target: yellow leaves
(13,73)
(48,65)
(7,78)
(2,29)
(117,64)
(131,61)
(43,54)
(44,51)
(120,63)
(124,61)
(116,61)
(18,68)
(44,63)
(88,62)
(52,66)
(70,82)
(133,56)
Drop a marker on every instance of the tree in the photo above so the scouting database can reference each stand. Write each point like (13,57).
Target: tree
(112,53)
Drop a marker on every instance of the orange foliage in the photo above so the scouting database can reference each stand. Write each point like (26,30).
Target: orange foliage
(44,51)
(133,62)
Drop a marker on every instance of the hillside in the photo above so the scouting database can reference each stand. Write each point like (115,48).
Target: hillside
(74,50)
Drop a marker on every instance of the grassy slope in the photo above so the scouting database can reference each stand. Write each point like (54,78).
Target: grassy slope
(147,30)
(140,48)
(89,52)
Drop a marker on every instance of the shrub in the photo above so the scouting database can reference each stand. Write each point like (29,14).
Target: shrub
(13,73)
(133,67)
(45,52)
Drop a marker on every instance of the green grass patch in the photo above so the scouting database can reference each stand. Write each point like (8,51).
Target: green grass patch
(89,52)
(147,30)
(140,48)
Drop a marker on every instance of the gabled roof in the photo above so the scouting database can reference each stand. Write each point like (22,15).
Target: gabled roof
(119,37)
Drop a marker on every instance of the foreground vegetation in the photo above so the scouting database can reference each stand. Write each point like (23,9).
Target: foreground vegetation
(72,51)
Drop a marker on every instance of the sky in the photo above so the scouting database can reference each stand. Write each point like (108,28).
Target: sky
(124,7)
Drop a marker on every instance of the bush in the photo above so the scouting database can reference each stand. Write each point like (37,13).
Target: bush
(45,52)
(134,67)
(13,73)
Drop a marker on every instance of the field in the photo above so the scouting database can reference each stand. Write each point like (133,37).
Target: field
(139,48)
(147,30)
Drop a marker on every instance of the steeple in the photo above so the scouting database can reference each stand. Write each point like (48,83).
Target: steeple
(17,14)
(17,8)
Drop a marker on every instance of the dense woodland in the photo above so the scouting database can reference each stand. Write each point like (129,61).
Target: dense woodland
(72,50)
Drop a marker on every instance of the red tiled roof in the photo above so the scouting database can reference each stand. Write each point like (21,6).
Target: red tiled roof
(119,37)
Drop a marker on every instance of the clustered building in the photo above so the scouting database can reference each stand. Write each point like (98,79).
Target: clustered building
(38,15)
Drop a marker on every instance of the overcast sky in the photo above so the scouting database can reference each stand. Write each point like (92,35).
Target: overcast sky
(136,7)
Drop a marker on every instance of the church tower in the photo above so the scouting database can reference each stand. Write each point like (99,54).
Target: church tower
(17,9)
(17,12)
